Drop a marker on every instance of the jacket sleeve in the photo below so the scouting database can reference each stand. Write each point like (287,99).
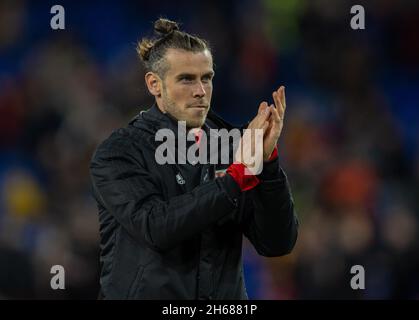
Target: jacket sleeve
(270,222)
(131,194)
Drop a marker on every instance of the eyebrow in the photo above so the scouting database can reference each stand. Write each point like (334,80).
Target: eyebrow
(193,76)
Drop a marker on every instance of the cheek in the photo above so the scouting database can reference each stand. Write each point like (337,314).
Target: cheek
(179,93)
(208,90)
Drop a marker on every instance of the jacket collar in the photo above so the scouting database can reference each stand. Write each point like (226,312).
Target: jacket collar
(153,119)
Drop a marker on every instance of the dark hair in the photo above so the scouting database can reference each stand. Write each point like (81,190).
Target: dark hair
(152,51)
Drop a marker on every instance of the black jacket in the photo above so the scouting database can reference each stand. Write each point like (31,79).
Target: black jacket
(166,234)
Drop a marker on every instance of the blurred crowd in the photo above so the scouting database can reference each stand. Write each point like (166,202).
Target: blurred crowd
(350,145)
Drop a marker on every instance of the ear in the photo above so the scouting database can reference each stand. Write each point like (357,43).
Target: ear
(153,82)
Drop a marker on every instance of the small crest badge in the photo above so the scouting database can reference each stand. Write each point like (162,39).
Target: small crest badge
(179,179)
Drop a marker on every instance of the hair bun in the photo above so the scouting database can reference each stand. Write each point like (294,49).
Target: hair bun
(165,26)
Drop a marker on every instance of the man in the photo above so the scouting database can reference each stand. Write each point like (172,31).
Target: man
(174,231)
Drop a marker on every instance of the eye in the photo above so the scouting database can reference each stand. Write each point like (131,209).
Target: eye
(207,78)
(186,79)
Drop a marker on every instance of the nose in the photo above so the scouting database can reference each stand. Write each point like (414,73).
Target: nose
(199,91)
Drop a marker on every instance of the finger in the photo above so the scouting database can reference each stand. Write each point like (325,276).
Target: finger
(262,116)
(262,106)
(283,102)
(276,115)
(279,99)
(270,125)
(275,96)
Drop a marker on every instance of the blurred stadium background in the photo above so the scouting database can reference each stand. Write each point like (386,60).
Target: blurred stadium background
(350,144)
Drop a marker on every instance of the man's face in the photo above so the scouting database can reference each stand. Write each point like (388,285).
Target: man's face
(187,86)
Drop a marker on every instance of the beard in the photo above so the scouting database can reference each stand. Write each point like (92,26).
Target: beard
(194,117)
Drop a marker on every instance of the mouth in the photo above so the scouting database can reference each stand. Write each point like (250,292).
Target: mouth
(201,107)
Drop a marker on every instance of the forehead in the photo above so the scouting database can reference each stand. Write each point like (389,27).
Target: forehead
(181,61)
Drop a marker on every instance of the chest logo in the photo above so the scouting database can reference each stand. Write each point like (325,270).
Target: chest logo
(179,179)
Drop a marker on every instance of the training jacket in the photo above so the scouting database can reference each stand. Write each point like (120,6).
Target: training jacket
(175,231)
